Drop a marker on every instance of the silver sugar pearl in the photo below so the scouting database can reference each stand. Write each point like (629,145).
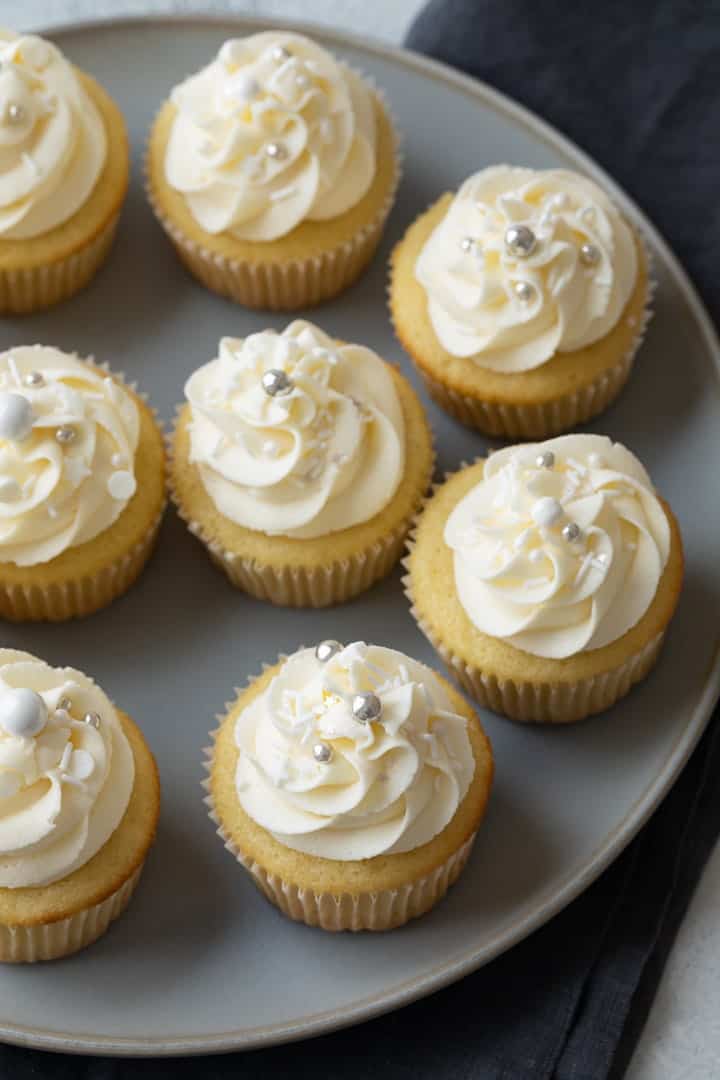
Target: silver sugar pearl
(545,460)
(280,53)
(276,151)
(327,649)
(520,241)
(34,378)
(524,291)
(571,532)
(15,113)
(366,707)
(276,383)
(589,255)
(93,719)
(65,434)
(322,752)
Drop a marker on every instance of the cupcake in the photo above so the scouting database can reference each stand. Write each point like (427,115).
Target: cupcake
(300,463)
(546,576)
(64,169)
(522,300)
(350,782)
(273,170)
(79,803)
(82,484)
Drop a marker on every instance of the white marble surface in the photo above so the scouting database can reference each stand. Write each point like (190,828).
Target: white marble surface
(681,1040)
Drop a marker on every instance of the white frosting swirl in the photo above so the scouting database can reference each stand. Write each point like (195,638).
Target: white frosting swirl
(511,313)
(57,494)
(389,786)
(64,790)
(52,138)
(273,132)
(325,456)
(520,578)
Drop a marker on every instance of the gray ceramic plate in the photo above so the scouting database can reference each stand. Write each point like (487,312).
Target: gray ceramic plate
(201,962)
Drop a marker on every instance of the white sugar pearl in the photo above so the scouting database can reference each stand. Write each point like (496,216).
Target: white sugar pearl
(9,489)
(121,485)
(82,764)
(22,712)
(546,511)
(16,416)
(10,784)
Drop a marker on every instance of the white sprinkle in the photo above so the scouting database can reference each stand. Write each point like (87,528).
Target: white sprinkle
(121,485)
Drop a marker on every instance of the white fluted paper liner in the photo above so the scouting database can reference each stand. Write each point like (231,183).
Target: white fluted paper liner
(23,291)
(82,595)
(53,940)
(291,284)
(335,582)
(385,909)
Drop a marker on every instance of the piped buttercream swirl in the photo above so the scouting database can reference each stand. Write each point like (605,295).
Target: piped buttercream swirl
(65,788)
(327,454)
(387,786)
(561,546)
(53,143)
(68,437)
(511,307)
(273,132)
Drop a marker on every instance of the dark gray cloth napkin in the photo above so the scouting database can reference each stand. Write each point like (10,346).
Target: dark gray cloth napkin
(635,85)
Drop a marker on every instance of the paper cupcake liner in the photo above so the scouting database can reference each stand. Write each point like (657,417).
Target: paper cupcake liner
(77,597)
(288,284)
(385,909)
(27,290)
(336,582)
(53,940)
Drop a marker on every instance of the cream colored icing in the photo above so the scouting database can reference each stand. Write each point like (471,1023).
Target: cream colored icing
(55,495)
(53,144)
(474,283)
(65,789)
(389,786)
(271,90)
(328,455)
(520,578)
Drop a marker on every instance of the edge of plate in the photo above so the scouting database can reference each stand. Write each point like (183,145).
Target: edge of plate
(462,964)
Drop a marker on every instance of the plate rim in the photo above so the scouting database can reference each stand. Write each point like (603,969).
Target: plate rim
(450,971)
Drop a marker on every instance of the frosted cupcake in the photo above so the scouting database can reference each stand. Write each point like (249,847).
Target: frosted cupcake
(350,782)
(79,804)
(64,169)
(522,300)
(300,463)
(546,576)
(82,484)
(273,170)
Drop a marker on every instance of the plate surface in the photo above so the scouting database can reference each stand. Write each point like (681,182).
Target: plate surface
(201,962)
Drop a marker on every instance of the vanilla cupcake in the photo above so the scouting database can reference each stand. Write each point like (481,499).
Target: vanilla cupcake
(79,804)
(350,782)
(300,463)
(546,576)
(82,484)
(64,168)
(522,300)
(273,170)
